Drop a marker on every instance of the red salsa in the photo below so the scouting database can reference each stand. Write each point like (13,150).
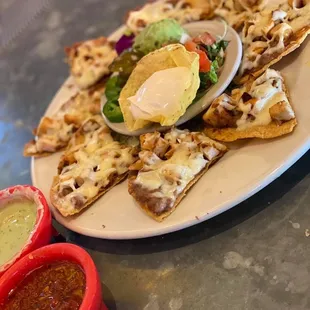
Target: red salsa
(59,285)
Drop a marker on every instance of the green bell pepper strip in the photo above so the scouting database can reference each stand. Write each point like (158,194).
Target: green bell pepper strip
(113,112)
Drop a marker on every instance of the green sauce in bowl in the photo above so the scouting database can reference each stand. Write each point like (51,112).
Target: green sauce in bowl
(17,220)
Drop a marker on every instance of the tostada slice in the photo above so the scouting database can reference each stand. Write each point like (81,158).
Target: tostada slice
(259,109)
(54,132)
(89,61)
(168,166)
(270,34)
(237,12)
(92,165)
(183,11)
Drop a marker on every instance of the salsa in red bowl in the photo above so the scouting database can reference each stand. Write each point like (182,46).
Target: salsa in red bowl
(59,285)
(58,276)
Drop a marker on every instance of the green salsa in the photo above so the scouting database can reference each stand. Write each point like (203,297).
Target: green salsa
(17,220)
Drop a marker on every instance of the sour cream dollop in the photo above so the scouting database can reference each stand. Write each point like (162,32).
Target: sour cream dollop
(160,94)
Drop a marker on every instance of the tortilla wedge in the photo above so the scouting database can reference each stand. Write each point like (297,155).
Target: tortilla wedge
(92,165)
(183,11)
(146,197)
(253,6)
(270,35)
(58,205)
(48,141)
(162,216)
(54,132)
(233,12)
(270,131)
(31,145)
(273,129)
(299,38)
(89,61)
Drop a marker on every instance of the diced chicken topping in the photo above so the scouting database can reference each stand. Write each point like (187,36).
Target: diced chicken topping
(90,61)
(90,166)
(259,103)
(162,179)
(266,34)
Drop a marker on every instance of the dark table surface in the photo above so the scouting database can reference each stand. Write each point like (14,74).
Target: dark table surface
(255,256)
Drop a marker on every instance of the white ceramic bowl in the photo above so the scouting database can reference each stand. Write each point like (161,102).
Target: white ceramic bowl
(231,65)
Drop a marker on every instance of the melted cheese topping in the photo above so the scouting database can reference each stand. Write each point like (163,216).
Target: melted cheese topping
(97,159)
(171,176)
(268,91)
(265,33)
(278,15)
(256,104)
(167,178)
(91,63)
(299,18)
(234,17)
(55,132)
(161,9)
(161,93)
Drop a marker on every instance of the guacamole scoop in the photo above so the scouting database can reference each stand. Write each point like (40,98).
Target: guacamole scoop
(158,34)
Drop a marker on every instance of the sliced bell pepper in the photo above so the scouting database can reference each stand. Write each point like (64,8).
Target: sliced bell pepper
(113,112)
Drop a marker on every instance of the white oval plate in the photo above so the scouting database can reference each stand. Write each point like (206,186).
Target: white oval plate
(244,170)
(230,67)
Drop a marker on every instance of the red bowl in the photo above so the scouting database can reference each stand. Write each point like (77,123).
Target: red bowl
(42,231)
(51,253)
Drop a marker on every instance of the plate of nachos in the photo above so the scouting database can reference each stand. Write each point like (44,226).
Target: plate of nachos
(147,75)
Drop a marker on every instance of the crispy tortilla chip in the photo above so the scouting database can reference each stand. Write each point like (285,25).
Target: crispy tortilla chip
(153,201)
(54,197)
(253,5)
(52,136)
(301,35)
(30,150)
(237,12)
(183,11)
(171,56)
(224,113)
(270,131)
(270,35)
(89,61)
(165,214)
(54,133)
(92,165)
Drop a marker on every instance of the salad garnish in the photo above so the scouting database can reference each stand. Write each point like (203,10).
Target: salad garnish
(165,32)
